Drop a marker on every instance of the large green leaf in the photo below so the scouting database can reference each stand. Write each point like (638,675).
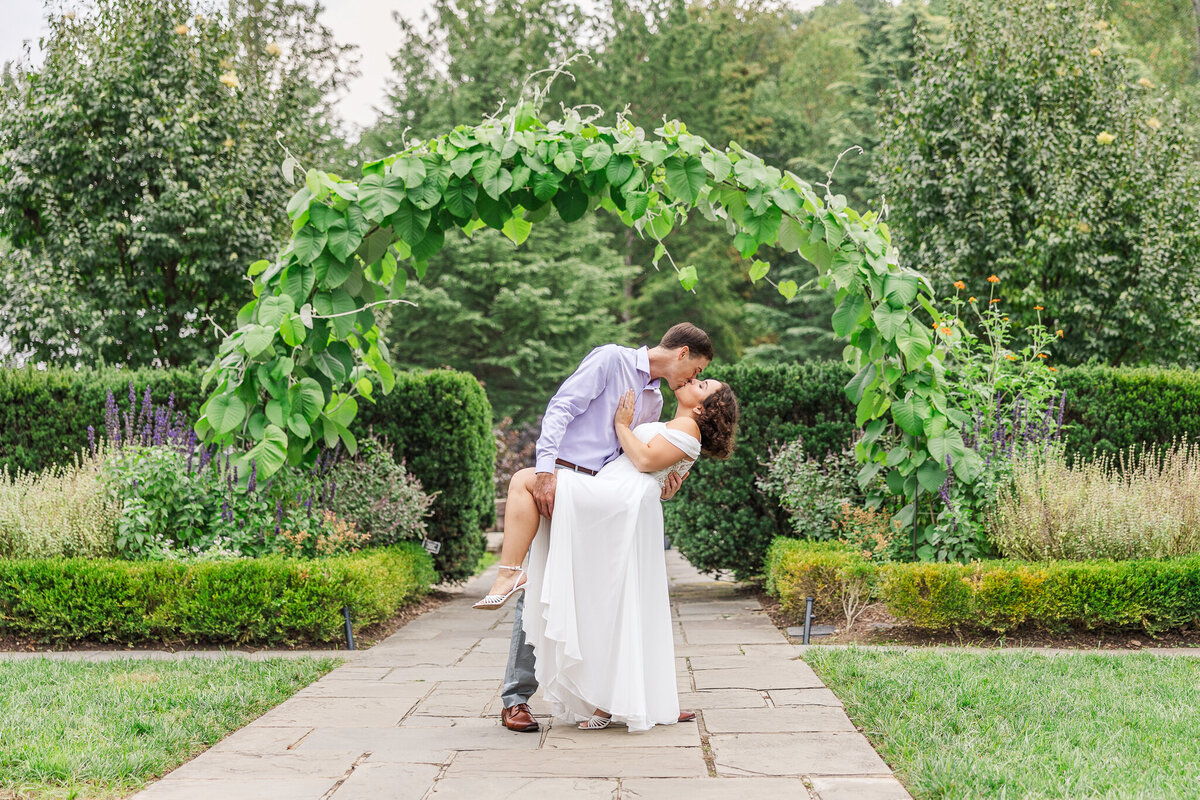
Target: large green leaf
(860,383)
(308,243)
(410,223)
(910,414)
(931,476)
(272,310)
(914,343)
(848,313)
(572,204)
(256,338)
(900,290)
(889,320)
(460,197)
(225,413)
(343,241)
(270,452)
(410,170)
(338,302)
(306,399)
(686,177)
(298,281)
(619,170)
(380,195)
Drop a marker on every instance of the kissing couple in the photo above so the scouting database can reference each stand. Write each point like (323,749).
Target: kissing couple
(593,619)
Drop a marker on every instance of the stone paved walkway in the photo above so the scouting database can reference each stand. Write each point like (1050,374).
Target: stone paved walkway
(416,717)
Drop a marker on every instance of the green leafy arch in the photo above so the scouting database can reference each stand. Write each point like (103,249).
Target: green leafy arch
(307,347)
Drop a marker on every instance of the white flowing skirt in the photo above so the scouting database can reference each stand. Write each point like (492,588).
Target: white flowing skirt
(597,610)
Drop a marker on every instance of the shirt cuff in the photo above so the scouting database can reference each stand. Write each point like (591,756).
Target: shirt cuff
(544,464)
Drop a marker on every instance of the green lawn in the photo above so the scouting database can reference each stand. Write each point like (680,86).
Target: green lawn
(72,729)
(1021,725)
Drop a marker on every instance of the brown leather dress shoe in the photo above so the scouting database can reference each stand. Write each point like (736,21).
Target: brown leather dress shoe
(519,718)
(687,716)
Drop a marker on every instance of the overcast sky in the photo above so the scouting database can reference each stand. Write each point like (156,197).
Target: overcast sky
(366,23)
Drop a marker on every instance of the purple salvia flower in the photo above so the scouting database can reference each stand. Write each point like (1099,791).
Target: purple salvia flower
(91,441)
(253,475)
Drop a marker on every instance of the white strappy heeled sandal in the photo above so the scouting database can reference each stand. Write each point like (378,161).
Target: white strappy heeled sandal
(595,723)
(493,601)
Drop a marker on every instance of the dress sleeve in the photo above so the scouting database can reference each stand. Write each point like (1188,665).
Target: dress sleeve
(690,445)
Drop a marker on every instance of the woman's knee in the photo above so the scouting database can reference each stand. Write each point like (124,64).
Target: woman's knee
(522,480)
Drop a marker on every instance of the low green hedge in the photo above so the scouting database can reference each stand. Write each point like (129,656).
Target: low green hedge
(438,421)
(1152,595)
(263,601)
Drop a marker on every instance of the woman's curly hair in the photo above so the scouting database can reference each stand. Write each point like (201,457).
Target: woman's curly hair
(718,423)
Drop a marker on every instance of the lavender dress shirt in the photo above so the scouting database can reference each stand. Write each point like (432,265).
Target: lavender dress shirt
(578,424)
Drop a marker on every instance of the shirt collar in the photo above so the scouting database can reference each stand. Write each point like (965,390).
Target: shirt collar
(642,362)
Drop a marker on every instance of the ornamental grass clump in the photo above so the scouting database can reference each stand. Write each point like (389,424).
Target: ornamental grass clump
(1133,506)
(60,512)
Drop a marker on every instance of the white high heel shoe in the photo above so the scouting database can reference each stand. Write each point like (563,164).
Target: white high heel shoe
(493,601)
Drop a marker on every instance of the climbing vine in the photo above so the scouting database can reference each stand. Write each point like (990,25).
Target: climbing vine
(307,347)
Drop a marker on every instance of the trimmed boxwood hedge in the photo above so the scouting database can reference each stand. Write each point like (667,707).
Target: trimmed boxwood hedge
(438,421)
(260,601)
(1152,595)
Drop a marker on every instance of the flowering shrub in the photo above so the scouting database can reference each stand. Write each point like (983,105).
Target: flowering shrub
(381,498)
(1006,403)
(331,536)
(876,535)
(812,492)
(1136,505)
(178,499)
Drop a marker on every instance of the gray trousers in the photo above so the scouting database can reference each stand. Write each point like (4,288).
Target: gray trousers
(520,684)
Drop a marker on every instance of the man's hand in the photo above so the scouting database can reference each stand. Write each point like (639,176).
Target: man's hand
(671,485)
(543,493)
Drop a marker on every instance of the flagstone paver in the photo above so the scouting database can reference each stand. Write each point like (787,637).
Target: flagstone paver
(416,717)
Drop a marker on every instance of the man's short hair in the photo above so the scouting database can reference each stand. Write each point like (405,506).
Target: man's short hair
(685,334)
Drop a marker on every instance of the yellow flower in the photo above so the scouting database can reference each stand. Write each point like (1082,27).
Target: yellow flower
(225,63)
(1061,71)
(947,331)
(200,19)
(1052,369)
(1104,137)
(993,279)
(182,29)
(1095,51)
(1153,123)
(1011,357)
(959,285)
(274,50)
(997,300)
(1145,83)
(228,142)
(1059,332)
(970,299)
(1083,227)
(230,79)
(1076,71)
(1038,308)
(1041,355)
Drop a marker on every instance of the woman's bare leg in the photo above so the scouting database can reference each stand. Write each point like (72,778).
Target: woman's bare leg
(520,526)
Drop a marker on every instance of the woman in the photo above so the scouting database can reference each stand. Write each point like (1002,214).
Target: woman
(597,610)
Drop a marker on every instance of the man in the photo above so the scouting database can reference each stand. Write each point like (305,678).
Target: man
(578,434)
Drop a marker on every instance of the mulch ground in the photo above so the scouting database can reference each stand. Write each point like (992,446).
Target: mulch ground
(363,640)
(877,626)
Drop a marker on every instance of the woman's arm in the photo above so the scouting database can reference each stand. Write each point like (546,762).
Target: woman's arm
(656,454)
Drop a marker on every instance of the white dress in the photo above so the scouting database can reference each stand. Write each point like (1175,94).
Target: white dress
(597,610)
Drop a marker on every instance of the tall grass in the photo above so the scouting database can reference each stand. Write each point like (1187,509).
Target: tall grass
(61,511)
(1133,505)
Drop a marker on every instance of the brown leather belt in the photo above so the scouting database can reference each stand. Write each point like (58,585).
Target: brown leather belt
(576,467)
